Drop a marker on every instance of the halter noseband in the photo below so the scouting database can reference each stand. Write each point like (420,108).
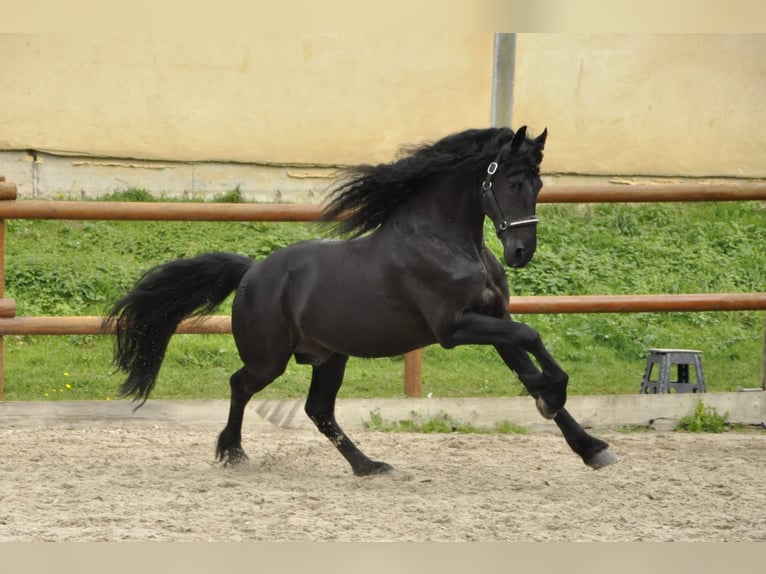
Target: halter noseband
(487,191)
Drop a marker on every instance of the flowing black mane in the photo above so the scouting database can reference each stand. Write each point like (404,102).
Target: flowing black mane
(371,192)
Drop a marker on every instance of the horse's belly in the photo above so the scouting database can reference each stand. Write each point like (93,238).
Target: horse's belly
(364,334)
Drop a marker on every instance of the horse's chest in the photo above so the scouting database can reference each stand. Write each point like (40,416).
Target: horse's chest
(491,297)
(490,301)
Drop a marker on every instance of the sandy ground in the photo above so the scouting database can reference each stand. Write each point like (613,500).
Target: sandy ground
(143,480)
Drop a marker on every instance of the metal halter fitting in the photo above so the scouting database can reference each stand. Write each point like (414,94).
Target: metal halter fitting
(486,191)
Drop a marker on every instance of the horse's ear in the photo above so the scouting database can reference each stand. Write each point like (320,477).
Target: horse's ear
(518,138)
(542,137)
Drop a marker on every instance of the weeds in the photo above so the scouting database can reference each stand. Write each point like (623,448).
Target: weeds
(704,419)
(439,424)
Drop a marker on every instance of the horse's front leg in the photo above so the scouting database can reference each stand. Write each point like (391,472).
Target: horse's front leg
(549,387)
(593,451)
(513,341)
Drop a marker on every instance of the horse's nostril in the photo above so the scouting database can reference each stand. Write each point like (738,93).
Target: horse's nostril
(519,254)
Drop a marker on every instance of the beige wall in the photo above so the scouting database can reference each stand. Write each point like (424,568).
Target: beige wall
(658,104)
(262,98)
(173,113)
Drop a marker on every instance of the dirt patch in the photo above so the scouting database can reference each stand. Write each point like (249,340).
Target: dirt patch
(116,480)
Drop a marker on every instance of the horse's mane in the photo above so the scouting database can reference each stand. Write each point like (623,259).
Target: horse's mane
(369,193)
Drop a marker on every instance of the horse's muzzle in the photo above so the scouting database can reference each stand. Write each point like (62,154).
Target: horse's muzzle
(517,253)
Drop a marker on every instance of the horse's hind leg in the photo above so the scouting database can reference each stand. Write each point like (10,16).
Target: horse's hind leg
(244,384)
(593,451)
(326,380)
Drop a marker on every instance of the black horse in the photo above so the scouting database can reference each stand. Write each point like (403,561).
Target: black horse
(413,271)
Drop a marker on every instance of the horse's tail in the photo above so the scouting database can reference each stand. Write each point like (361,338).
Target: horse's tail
(147,316)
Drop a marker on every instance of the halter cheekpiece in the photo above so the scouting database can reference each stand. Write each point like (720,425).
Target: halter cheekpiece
(488,192)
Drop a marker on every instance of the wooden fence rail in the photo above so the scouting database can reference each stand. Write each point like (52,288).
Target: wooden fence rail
(139,211)
(221,324)
(78,210)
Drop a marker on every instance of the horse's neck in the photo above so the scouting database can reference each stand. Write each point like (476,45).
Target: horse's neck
(446,206)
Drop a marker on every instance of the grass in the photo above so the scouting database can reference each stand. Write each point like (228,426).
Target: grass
(78,268)
(442,423)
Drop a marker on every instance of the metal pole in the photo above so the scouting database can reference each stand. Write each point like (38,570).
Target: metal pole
(503,77)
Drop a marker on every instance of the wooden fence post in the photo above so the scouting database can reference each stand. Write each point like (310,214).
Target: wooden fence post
(763,358)
(413,373)
(7,193)
(2,294)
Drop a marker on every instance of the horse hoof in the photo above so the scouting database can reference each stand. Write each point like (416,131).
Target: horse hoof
(374,468)
(547,411)
(602,459)
(236,457)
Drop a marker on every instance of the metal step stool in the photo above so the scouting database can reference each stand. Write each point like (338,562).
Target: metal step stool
(664,359)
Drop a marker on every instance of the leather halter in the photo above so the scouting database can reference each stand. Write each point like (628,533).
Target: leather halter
(487,191)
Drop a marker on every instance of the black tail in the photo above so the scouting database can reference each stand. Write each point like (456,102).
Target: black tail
(148,315)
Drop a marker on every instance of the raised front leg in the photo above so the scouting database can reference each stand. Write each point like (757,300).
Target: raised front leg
(326,380)
(593,451)
(515,340)
(549,387)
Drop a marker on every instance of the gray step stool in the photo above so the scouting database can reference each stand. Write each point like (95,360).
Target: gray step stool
(664,360)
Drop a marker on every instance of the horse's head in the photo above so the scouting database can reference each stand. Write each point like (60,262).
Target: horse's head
(509,195)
